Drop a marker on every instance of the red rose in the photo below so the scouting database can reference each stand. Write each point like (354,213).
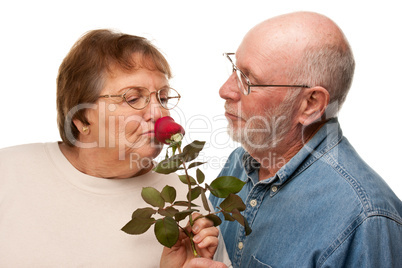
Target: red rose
(165,128)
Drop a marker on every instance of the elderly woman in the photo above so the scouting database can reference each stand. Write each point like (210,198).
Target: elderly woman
(64,203)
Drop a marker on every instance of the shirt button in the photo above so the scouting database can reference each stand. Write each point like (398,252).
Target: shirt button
(240,245)
(274,189)
(253,203)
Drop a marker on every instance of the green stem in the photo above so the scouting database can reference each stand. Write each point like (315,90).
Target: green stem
(189,187)
(190,235)
(193,245)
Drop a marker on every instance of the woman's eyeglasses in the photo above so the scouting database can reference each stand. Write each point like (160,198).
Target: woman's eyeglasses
(139,97)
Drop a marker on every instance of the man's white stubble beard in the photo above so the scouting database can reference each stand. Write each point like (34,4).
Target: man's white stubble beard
(267,131)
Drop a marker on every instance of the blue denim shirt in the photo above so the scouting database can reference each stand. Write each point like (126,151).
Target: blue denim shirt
(325,208)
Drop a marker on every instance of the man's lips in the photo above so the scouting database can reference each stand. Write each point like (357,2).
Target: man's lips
(232,116)
(232,112)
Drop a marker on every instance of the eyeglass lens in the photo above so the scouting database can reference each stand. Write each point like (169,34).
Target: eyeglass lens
(241,81)
(240,78)
(138,98)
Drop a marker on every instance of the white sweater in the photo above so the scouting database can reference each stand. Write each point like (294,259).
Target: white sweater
(52,215)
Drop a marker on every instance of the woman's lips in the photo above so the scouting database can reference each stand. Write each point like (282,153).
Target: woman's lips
(149,133)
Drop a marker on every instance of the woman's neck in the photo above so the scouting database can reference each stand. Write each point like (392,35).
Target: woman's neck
(101,163)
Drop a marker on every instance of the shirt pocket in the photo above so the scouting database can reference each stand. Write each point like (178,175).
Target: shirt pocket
(256,263)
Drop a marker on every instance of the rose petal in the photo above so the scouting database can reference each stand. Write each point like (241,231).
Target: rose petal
(165,128)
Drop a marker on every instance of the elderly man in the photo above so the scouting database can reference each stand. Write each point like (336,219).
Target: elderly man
(311,200)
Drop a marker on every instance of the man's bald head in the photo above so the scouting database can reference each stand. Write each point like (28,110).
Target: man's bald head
(305,48)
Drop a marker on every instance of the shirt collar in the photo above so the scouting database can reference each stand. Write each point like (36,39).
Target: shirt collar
(250,164)
(328,136)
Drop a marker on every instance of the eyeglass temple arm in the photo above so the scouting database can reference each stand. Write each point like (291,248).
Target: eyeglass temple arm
(279,86)
(110,96)
(227,56)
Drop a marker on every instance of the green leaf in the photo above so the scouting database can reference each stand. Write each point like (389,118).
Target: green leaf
(177,158)
(169,165)
(167,231)
(215,219)
(183,179)
(183,214)
(195,192)
(227,216)
(240,218)
(184,204)
(191,151)
(168,194)
(232,202)
(169,211)
(140,222)
(205,200)
(152,197)
(237,216)
(195,164)
(200,176)
(207,187)
(247,227)
(143,213)
(223,186)
(137,226)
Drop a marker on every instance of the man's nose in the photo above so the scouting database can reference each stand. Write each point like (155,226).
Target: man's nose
(230,89)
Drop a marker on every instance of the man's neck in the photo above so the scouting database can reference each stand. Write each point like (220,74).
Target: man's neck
(272,160)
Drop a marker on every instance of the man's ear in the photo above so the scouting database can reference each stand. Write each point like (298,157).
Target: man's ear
(314,103)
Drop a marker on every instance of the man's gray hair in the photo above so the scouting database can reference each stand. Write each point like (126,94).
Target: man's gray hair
(328,66)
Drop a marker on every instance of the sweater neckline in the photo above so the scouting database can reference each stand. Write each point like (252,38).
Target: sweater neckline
(95,184)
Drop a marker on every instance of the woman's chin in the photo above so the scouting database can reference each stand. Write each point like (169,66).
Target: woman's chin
(145,147)
(150,151)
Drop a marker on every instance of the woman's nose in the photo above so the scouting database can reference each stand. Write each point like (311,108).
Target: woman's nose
(230,89)
(154,109)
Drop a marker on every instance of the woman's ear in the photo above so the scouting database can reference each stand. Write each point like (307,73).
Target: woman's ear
(314,103)
(83,129)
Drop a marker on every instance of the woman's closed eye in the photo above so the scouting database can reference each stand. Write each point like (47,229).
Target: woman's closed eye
(133,100)
(134,96)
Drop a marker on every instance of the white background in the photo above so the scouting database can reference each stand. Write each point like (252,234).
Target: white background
(36,36)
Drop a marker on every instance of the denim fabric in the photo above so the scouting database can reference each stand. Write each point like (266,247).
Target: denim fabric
(325,208)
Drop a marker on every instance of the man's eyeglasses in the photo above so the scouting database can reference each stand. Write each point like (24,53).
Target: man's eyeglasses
(244,83)
(139,97)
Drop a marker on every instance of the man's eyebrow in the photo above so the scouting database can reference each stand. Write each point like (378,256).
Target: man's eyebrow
(251,76)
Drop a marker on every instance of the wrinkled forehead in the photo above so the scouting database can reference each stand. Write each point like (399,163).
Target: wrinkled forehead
(269,47)
(263,58)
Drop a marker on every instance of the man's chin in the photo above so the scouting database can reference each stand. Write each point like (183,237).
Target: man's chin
(234,135)
(251,143)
